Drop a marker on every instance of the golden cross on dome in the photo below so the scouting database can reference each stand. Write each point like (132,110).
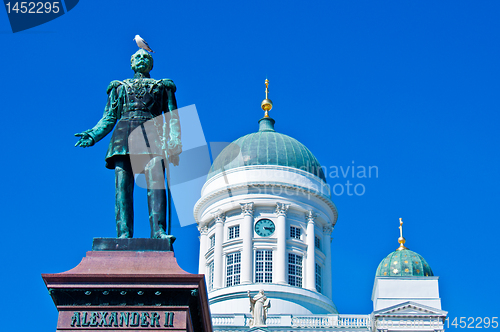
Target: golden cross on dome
(401,227)
(401,239)
(267,104)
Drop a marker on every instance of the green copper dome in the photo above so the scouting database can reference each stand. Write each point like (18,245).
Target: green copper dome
(266,147)
(404,263)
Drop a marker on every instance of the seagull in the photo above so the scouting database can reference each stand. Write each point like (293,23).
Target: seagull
(142,43)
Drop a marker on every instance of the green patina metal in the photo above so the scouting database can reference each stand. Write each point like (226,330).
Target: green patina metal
(148,106)
(404,263)
(267,147)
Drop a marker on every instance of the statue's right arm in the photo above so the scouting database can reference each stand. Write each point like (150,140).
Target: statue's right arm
(111,113)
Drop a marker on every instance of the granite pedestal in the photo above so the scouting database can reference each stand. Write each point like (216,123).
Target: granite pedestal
(129,285)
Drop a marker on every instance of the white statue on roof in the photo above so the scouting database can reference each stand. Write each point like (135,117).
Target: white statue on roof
(258,307)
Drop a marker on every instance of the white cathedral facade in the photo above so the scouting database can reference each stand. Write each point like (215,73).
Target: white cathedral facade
(265,218)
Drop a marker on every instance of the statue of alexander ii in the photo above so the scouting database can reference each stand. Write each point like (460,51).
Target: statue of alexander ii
(146,137)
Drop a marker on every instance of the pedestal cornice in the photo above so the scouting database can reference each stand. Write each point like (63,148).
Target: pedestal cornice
(145,286)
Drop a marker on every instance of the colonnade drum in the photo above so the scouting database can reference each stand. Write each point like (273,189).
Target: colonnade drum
(266,226)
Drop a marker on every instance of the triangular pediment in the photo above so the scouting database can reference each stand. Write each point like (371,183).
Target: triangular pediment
(409,308)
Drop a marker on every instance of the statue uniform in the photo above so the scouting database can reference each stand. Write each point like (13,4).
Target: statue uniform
(132,103)
(138,103)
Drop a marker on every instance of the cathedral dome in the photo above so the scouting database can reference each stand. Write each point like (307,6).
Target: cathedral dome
(266,147)
(404,263)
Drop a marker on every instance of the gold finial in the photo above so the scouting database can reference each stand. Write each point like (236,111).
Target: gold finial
(401,239)
(267,104)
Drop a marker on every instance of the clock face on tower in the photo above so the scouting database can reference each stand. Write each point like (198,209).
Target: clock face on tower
(264,227)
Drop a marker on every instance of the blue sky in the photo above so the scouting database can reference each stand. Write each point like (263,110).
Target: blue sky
(409,87)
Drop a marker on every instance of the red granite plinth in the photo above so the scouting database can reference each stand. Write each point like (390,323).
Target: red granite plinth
(129,291)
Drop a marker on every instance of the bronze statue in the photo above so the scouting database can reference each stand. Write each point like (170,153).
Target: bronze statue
(139,103)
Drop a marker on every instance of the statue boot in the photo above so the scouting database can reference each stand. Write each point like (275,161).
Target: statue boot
(124,192)
(157,198)
(157,213)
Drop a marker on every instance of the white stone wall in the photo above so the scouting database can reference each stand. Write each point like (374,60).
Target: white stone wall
(390,291)
(288,197)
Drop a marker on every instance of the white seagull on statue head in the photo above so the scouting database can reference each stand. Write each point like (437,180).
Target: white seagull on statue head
(142,43)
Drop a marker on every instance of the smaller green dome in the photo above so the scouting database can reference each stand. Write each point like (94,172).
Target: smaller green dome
(404,263)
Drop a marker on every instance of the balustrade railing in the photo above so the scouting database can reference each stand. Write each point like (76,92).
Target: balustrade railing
(222,320)
(303,321)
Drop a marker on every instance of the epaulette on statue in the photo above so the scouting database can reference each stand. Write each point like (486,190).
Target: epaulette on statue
(168,83)
(113,85)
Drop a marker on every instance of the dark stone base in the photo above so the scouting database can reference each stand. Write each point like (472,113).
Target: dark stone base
(125,290)
(114,244)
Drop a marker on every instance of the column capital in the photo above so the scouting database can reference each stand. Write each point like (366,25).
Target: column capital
(328,230)
(311,216)
(282,208)
(219,216)
(247,208)
(203,230)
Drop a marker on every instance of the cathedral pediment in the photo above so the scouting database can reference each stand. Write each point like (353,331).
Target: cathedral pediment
(408,309)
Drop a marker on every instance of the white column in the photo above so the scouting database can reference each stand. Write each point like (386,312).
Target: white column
(280,259)
(219,217)
(246,232)
(327,249)
(203,249)
(311,255)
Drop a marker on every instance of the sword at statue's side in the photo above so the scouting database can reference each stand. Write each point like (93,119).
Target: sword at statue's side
(169,195)
(170,157)
(164,148)
(170,143)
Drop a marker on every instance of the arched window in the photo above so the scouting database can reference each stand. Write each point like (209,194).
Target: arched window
(295,270)
(233,269)
(264,266)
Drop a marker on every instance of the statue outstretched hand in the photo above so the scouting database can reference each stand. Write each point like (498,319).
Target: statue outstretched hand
(85,140)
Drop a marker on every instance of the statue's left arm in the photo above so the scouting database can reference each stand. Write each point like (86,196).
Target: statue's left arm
(171,127)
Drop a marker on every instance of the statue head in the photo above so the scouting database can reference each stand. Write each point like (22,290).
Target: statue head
(141,62)
(261,291)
